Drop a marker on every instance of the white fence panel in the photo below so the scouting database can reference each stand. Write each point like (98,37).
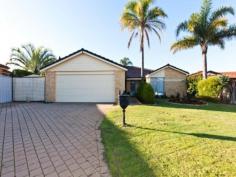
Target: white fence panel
(5,89)
(28,89)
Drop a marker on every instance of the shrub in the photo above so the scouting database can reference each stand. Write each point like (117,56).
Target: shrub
(20,73)
(145,93)
(211,87)
(192,85)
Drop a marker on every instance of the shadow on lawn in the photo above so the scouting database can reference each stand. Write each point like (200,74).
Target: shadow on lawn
(199,135)
(124,160)
(209,107)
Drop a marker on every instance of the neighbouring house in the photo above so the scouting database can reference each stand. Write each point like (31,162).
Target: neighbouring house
(4,70)
(168,80)
(229,93)
(84,76)
(232,84)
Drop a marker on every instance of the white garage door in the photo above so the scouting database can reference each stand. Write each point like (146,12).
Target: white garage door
(95,87)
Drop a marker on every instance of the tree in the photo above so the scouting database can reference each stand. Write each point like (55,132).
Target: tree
(141,19)
(205,28)
(126,62)
(30,58)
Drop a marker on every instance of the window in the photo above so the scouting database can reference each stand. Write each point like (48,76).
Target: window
(158,85)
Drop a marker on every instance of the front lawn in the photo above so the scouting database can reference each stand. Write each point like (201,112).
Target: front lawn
(171,140)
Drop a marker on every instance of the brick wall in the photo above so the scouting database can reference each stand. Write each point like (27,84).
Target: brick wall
(119,83)
(50,87)
(175,82)
(173,87)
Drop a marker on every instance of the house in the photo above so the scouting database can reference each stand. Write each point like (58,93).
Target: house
(4,70)
(232,77)
(84,76)
(232,84)
(133,78)
(168,80)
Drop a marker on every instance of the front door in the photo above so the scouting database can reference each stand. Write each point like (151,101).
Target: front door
(133,88)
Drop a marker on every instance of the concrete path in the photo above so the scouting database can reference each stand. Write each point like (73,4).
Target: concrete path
(38,139)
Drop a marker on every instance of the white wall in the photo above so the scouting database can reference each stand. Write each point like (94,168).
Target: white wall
(5,89)
(28,89)
(84,62)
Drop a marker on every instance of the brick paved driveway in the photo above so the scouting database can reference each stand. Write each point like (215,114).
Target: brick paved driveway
(38,139)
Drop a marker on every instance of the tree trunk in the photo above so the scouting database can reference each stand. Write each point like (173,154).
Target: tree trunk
(142,51)
(204,56)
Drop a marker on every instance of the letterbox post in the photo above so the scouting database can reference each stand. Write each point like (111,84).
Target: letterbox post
(124,102)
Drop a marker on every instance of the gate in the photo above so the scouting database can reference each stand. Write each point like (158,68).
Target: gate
(28,89)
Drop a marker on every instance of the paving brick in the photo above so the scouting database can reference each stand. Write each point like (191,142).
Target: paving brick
(51,140)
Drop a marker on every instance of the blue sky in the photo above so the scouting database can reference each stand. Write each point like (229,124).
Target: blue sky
(68,25)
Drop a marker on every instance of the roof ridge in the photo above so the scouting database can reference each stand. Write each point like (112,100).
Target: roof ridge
(169,65)
(83,50)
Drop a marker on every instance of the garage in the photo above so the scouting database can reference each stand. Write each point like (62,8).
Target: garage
(84,77)
(85,87)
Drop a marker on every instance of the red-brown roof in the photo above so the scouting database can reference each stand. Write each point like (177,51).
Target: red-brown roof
(4,66)
(231,75)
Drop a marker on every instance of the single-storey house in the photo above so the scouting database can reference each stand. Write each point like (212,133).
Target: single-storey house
(84,76)
(167,80)
(4,70)
(232,77)
(231,91)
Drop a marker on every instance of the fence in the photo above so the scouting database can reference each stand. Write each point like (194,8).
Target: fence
(28,89)
(5,89)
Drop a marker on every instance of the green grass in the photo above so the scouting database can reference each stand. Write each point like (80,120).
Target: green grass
(171,140)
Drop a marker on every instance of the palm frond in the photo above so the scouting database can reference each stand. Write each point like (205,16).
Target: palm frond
(217,41)
(221,12)
(206,9)
(185,43)
(182,27)
(159,24)
(134,34)
(221,22)
(31,58)
(227,33)
(157,34)
(147,36)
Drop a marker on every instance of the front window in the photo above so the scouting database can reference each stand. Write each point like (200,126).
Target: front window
(158,85)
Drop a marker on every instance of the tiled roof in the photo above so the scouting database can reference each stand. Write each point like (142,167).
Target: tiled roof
(135,72)
(231,75)
(209,73)
(86,51)
(4,66)
(171,66)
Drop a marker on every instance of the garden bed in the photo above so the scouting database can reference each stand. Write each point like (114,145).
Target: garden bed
(187,101)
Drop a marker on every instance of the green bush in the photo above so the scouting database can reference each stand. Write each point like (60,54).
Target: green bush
(211,87)
(20,73)
(145,93)
(192,84)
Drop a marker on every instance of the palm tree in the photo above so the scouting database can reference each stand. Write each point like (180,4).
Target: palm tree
(205,28)
(141,19)
(30,58)
(126,62)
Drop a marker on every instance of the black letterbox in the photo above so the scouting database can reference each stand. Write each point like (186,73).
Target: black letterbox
(124,101)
